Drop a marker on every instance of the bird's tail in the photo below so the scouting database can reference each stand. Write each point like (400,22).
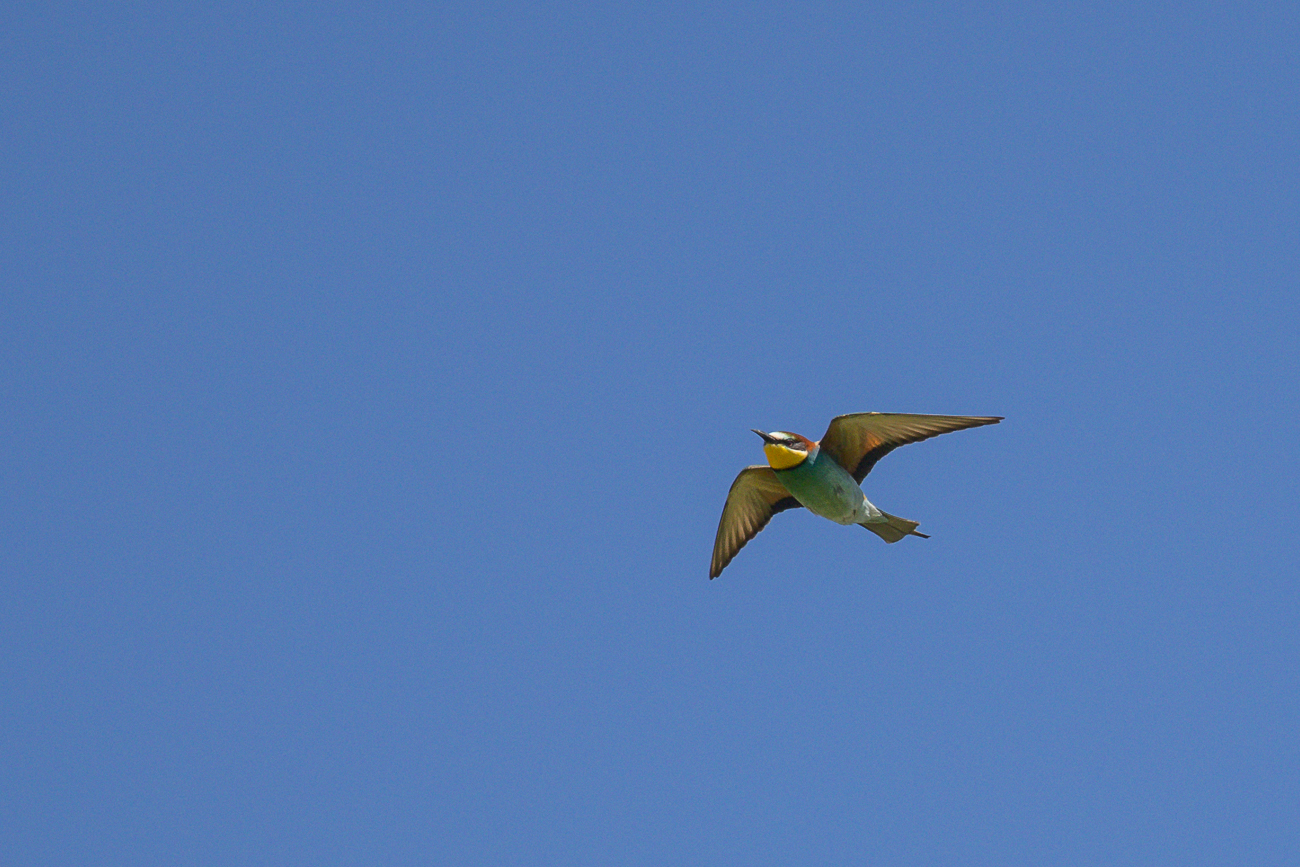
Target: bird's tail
(895,528)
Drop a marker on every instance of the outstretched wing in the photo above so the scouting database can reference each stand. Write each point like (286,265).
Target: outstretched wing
(857,441)
(755,496)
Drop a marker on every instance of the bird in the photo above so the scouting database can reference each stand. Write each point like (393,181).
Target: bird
(825,477)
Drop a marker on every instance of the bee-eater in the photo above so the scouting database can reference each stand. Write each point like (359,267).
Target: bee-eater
(825,477)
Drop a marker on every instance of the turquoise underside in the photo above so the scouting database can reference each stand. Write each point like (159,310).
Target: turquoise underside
(824,487)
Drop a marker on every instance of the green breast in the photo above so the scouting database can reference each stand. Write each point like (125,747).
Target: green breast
(824,487)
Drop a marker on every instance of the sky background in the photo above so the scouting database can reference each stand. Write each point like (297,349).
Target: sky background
(373,377)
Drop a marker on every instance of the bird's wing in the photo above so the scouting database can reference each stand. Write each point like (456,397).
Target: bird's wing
(755,496)
(857,441)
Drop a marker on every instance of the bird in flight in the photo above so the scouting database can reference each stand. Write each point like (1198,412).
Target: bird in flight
(825,477)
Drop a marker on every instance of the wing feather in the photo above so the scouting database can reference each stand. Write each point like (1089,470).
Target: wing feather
(858,440)
(755,496)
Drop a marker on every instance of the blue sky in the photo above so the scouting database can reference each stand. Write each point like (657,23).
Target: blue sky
(374,377)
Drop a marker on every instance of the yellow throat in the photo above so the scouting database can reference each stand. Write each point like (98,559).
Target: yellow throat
(782,458)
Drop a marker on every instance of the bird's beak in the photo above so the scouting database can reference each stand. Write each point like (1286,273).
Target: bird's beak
(766,437)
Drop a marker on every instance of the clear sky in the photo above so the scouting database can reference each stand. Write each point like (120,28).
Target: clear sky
(373,377)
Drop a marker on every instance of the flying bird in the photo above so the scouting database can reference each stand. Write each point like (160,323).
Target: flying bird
(825,477)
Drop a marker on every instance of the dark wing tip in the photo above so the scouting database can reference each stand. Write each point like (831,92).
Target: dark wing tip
(756,496)
(979,420)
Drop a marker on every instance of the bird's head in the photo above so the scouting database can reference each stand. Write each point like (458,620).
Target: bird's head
(785,450)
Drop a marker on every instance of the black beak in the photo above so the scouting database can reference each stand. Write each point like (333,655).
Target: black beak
(766,437)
